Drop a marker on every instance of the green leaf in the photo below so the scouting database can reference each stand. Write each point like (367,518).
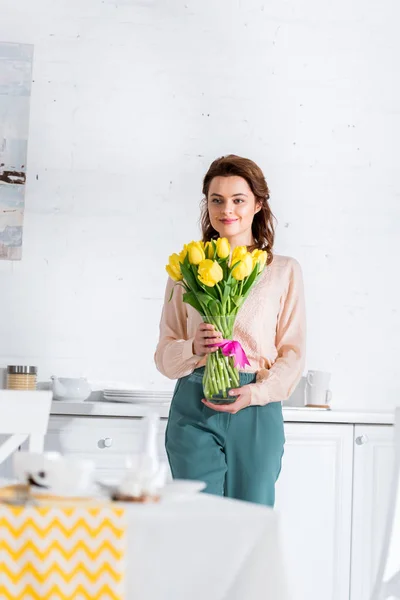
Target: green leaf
(204,298)
(189,277)
(226,293)
(179,283)
(250,280)
(237,300)
(210,291)
(215,307)
(225,269)
(190,298)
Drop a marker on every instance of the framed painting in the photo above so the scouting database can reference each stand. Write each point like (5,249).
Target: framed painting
(15,91)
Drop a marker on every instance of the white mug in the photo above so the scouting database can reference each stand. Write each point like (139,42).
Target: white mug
(66,475)
(316,390)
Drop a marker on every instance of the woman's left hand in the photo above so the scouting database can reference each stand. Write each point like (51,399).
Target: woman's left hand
(243,400)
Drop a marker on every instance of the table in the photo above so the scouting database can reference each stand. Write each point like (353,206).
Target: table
(204,548)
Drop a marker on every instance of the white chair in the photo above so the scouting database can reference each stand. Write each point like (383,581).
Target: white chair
(387,584)
(23,415)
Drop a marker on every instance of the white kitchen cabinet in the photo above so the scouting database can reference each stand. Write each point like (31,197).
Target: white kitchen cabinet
(373,465)
(314,499)
(107,441)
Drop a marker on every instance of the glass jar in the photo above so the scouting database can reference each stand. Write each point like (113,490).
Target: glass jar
(21,377)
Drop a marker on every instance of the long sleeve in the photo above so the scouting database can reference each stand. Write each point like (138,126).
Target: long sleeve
(278,382)
(174,356)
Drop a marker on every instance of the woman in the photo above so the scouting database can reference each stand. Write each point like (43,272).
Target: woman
(235,448)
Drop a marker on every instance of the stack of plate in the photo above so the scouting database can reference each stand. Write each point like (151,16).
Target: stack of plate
(137,396)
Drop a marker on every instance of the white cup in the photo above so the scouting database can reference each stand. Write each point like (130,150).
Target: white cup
(54,473)
(316,390)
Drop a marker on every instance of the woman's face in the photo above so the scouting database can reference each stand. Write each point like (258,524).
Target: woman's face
(231,208)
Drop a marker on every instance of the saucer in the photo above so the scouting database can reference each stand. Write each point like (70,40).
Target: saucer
(178,489)
(62,493)
(181,489)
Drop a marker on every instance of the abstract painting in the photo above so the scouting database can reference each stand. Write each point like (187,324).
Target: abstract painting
(15,90)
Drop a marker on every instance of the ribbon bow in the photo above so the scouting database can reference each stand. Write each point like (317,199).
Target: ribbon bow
(233,348)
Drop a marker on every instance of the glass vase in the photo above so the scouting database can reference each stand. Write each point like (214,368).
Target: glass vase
(220,373)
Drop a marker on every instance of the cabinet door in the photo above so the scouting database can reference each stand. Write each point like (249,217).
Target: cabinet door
(373,466)
(107,441)
(314,499)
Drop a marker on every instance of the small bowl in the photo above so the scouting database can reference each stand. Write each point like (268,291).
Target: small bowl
(71,389)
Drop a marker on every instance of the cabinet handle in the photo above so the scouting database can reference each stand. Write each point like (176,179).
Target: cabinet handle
(106,442)
(361,439)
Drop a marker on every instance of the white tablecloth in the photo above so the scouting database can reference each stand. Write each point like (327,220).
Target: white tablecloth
(205,548)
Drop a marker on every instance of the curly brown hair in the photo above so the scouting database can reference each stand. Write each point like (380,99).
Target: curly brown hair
(263,228)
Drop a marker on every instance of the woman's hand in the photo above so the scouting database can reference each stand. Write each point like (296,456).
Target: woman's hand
(205,338)
(243,400)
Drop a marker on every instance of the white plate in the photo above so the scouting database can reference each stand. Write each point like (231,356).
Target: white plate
(136,396)
(135,393)
(140,398)
(306,408)
(137,400)
(181,489)
(91,492)
(129,393)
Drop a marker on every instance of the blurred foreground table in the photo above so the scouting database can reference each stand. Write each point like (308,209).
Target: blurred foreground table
(204,548)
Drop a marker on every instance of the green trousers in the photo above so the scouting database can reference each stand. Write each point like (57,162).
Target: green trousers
(238,456)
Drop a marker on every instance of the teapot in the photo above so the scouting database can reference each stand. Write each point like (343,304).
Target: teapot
(70,389)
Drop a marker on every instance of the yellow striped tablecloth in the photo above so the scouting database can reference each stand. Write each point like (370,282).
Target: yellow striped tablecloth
(60,551)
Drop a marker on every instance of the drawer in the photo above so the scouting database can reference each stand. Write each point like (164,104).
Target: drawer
(98,436)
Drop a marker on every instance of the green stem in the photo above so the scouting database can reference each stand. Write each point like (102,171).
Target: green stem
(209,382)
(219,290)
(213,376)
(210,376)
(233,372)
(206,382)
(218,374)
(224,371)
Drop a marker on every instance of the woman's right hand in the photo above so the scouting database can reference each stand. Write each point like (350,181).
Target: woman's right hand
(205,338)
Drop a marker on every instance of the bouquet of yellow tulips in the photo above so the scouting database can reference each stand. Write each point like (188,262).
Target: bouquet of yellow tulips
(216,284)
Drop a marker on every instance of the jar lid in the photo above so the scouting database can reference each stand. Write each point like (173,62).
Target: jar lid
(21,369)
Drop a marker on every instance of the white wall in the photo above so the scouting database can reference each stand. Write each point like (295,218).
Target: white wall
(132,100)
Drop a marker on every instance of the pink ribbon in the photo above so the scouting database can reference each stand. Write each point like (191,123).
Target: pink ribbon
(232,348)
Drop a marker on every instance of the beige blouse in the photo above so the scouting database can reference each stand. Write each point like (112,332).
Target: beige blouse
(270,325)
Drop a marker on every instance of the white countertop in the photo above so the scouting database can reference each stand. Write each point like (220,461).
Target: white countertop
(291,414)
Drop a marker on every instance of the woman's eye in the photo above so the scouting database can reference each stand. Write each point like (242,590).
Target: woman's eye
(239,200)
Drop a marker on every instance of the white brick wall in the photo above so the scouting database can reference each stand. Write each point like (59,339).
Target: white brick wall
(132,100)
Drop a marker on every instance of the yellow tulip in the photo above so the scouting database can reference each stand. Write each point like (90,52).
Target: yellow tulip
(183,253)
(173,267)
(244,268)
(195,252)
(209,250)
(260,257)
(223,247)
(238,253)
(210,272)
